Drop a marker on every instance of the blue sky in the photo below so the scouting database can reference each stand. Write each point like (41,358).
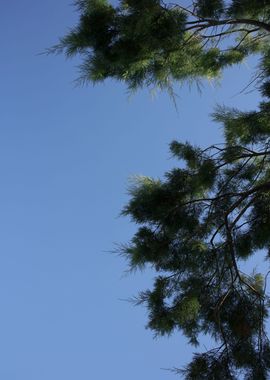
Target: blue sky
(66,154)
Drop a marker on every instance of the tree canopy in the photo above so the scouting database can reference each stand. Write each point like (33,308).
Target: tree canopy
(148,42)
(197,226)
(200,222)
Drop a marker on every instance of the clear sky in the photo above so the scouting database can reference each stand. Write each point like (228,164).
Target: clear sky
(66,154)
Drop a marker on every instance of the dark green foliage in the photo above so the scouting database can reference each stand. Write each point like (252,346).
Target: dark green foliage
(149,42)
(209,8)
(249,8)
(198,224)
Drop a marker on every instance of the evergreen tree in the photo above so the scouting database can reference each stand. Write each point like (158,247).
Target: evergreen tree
(148,42)
(201,222)
(197,226)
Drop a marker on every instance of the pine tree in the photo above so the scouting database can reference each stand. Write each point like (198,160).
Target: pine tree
(197,226)
(148,42)
(199,223)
